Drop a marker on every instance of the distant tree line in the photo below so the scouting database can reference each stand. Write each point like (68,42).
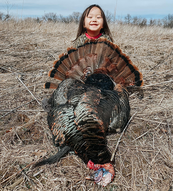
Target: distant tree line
(166,22)
(53,17)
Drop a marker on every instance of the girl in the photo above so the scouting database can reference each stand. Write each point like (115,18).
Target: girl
(93,25)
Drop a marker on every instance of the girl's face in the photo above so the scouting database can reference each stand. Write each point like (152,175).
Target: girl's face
(93,22)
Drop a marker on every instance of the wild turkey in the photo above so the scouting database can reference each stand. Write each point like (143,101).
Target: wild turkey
(90,102)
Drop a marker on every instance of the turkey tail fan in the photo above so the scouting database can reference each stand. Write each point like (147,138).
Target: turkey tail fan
(97,56)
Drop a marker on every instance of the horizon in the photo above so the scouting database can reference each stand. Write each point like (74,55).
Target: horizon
(117,17)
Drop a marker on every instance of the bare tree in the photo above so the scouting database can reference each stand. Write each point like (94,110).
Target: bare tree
(152,22)
(7,17)
(168,21)
(159,22)
(135,20)
(143,22)
(67,19)
(2,16)
(50,17)
(76,16)
(128,19)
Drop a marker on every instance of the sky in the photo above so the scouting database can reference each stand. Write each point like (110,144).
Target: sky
(38,8)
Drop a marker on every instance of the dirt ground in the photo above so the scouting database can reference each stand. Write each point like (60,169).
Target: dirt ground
(144,159)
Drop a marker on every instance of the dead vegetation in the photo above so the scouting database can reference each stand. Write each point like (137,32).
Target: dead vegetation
(144,159)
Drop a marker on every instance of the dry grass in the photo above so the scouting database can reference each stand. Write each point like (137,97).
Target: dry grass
(144,160)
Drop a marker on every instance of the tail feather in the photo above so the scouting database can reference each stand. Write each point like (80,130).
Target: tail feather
(73,55)
(91,61)
(75,71)
(83,67)
(97,56)
(87,49)
(65,61)
(93,46)
(56,74)
(50,85)
(63,58)
(123,74)
(106,62)
(100,53)
(81,52)
(120,65)
(113,51)
(61,67)
(82,63)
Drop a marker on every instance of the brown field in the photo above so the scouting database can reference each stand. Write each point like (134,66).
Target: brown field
(144,159)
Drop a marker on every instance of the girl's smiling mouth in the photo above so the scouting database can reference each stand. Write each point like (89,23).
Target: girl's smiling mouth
(93,24)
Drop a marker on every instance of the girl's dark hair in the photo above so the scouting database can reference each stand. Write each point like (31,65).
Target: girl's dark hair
(82,30)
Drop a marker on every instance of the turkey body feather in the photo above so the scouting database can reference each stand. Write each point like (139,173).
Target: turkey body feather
(85,117)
